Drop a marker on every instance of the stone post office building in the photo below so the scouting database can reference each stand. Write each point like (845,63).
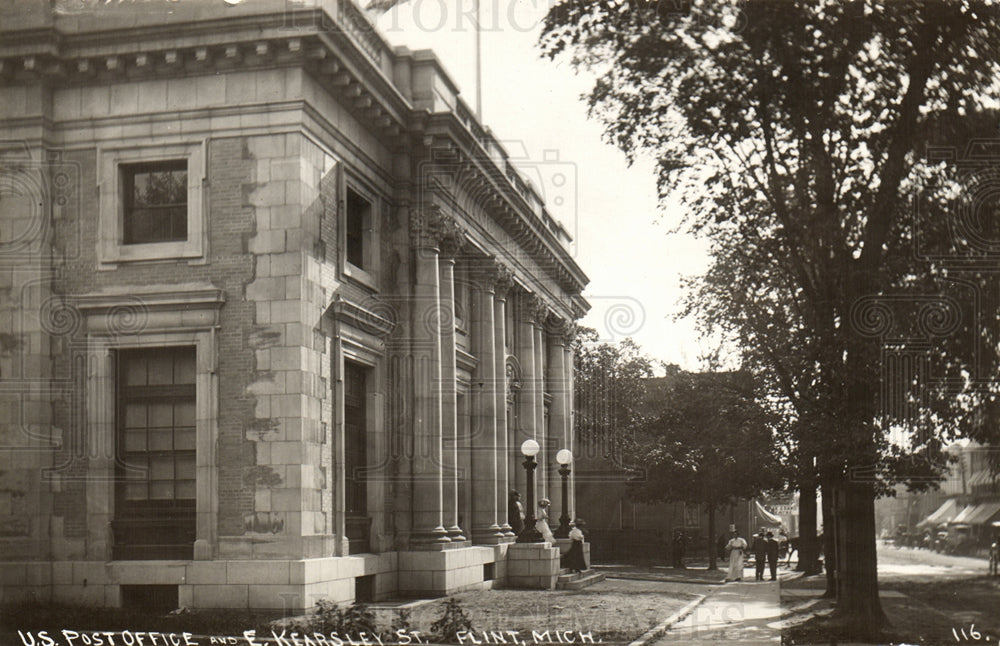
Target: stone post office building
(276,311)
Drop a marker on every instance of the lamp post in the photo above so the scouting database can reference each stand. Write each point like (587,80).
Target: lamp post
(564,458)
(530,533)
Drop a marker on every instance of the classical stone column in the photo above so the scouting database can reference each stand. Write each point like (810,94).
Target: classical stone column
(486,522)
(449,389)
(527,404)
(555,377)
(545,456)
(500,392)
(569,364)
(428,491)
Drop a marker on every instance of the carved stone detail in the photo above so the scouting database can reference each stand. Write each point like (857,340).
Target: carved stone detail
(429,227)
(513,379)
(533,309)
(561,329)
(489,274)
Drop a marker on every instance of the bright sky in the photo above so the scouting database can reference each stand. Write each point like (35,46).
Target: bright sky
(533,105)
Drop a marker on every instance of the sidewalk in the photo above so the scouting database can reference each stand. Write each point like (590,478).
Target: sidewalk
(746,613)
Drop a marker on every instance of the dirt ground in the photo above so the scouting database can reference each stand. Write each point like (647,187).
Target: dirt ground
(615,610)
(919,611)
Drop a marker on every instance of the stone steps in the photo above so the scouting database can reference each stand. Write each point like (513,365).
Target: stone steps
(577,580)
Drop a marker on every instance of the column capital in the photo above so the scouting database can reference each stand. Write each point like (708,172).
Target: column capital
(491,275)
(533,309)
(431,228)
(561,331)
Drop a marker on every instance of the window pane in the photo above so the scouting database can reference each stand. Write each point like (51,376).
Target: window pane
(161,369)
(185,467)
(135,491)
(184,414)
(135,440)
(159,187)
(135,415)
(155,197)
(184,439)
(184,368)
(185,490)
(161,490)
(162,467)
(161,440)
(161,416)
(135,469)
(135,371)
(358,217)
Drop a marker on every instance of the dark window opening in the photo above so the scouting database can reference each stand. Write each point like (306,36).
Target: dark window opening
(489,571)
(150,597)
(155,200)
(155,450)
(364,589)
(358,218)
(356,457)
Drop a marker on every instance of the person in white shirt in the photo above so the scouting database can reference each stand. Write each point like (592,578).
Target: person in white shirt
(736,547)
(542,523)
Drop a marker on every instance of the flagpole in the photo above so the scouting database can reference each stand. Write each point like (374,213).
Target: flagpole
(479,64)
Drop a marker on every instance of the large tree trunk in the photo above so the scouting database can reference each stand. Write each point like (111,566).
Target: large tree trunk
(808,544)
(858,606)
(829,539)
(712,565)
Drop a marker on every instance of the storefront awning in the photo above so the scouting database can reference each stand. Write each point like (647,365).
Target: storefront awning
(963,516)
(983,513)
(943,514)
(767,516)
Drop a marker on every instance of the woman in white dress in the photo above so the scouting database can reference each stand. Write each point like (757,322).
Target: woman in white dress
(736,547)
(542,523)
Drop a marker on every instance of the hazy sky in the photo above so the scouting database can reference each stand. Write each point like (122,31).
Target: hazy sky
(533,105)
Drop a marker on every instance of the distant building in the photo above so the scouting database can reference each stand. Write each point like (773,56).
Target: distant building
(968,495)
(622,530)
(277,311)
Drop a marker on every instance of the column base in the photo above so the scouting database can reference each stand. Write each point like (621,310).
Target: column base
(489,535)
(455,533)
(507,530)
(429,537)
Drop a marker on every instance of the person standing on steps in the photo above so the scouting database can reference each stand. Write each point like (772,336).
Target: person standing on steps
(574,558)
(542,524)
(772,555)
(515,512)
(736,547)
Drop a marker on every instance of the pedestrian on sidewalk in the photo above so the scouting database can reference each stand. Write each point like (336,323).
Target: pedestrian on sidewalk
(736,547)
(772,555)
(679,548)
(994,557)
(759,552)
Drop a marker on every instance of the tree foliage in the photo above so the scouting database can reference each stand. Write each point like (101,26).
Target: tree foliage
(797,136)
(610,393)
(709,442)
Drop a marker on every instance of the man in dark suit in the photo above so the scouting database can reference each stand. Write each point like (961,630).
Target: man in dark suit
(772,555)
(759,553)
